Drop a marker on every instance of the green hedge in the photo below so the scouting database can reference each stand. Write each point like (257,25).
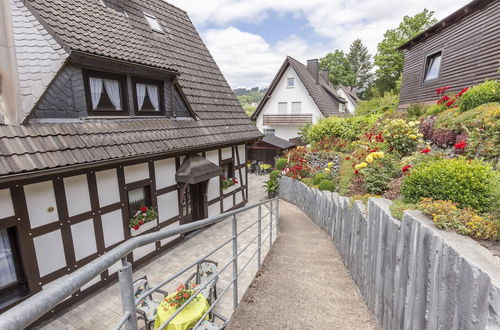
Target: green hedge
(486,92)
(349,128)
(320,177)
(470,183)
(281,164)
(328,185)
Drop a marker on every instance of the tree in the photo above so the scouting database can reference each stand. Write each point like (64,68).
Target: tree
(361,65)
(339,67)
(389,59)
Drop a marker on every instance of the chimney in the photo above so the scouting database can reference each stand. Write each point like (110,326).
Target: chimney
(326,76)
(313,68)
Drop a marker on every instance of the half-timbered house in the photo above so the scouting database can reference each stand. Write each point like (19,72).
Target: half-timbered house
(107,106)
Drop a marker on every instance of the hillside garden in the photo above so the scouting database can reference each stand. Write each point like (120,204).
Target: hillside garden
(441,159)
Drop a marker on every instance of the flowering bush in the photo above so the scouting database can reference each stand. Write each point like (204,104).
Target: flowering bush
(228,183)
(378,174)
(469,183)
(447,215)
(183,294)
(402,136)
(143,215)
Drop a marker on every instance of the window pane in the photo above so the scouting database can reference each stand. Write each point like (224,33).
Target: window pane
(8,273)
(432,66)
(290,82)
(137,198)
(296,107)
(269,131)
(153,22)
(282,107)
(148,97)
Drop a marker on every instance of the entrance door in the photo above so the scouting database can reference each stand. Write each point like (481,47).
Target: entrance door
(194,202)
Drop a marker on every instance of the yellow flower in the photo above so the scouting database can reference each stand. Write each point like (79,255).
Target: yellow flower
(413,137)
(327,170)
(363,165)
(369,159)
(330,164)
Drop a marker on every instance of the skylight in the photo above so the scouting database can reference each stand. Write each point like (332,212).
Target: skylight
(153,22)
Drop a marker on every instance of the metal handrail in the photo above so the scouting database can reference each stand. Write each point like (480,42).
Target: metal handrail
(28,311)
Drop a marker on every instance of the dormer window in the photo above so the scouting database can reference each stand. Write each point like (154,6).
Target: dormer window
(153,22)
(105,93)
(148,97)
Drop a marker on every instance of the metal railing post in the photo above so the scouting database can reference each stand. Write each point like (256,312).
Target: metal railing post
(126,284)
(235,263)
(271,226)
(259,239)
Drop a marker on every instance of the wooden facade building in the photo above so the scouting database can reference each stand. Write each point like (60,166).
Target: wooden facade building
(106,106)
(460,51)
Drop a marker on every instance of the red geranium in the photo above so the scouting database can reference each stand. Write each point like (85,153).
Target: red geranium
(449,103)
(347,158)
(425,151)
(443,99)
(462,91)
(144,209)
(460,145)
(356,172)
(136,227)
(406,168)
(441,90)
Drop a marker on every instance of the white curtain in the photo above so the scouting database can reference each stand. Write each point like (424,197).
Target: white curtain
(95,91)
(141,94)
(153,96)
(113,90)
(7,267)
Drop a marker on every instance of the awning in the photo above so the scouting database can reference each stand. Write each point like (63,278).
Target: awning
(196,169)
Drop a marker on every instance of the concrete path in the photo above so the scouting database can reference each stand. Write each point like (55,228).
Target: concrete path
(303,284)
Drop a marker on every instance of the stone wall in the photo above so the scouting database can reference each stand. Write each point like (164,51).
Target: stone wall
(410,274)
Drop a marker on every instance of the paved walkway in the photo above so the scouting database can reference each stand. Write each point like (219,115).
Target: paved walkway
(303,284)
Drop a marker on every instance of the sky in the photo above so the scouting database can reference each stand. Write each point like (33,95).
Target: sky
(250,39)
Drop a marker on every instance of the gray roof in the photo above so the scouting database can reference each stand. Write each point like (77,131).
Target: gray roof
(89,27)
(352,96)
(277,141)
(323,94)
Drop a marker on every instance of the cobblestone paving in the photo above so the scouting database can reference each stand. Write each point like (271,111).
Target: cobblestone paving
(103,310)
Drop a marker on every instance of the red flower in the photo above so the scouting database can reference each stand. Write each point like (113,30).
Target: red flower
(347,158)
(177,297)
(443,99)
(144,209)
(356,172)
(136,227)
(185,295)
(462,91)
(172,304)
(449,103)
(235,181)
(425,151)
(141,222)
(441,90)
(460,145)
(406,168)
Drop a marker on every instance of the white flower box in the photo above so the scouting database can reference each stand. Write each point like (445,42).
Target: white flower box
(145,227)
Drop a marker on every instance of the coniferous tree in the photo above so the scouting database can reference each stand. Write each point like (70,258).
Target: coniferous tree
(361,65)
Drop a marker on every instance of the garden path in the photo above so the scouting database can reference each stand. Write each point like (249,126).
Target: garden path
(302,284)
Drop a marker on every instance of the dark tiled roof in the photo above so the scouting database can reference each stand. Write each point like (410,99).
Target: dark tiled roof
(277,141)
(88,26)
(325,97)
(354,98)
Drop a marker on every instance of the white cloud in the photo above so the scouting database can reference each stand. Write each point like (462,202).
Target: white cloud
(247,59)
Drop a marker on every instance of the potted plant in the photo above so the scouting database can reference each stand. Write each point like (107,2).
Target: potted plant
(228,183)
(145,216)
(272,186)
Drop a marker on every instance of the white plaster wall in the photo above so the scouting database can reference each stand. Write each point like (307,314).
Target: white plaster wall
(170,239)
(283,94)
(77,194)
(165,173)
(227,203)
(49,252)
(227,153)
(6,206)
(213,156)
(168,206)
(136,172)
(84,242)
(214,209)
(112,227)
(40,198)
(107,187)
(350,106)
(239,197)
(143,251)
(213,188)
(242,153)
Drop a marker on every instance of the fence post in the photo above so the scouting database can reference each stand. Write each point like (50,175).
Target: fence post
(277,215)
(271,226)
(259,234)
(235,263)
(127,294)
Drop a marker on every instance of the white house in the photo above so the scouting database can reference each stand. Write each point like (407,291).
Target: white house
(350,95)
(298,95)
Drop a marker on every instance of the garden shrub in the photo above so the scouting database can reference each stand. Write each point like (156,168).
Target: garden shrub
(307,181)
(274,174)
(470,183)
(435,109)
(328,185)
(378,105)
(320,177)
(487,92)
(416,111)
(348,128)
(363,198)
(398,206)
(447,215)
(281,164)
(402,136)
(378,175)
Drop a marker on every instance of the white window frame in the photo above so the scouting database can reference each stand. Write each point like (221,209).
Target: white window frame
(153,22)
(280,110)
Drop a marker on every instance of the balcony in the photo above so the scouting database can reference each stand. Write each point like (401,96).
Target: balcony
(288,120)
